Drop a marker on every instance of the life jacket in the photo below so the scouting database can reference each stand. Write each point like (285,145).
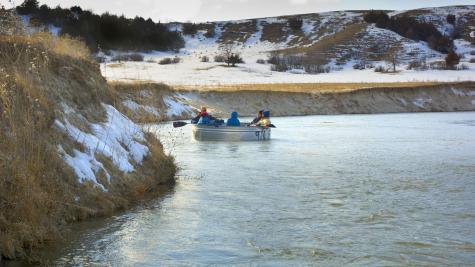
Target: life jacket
(204,120)
(265,121)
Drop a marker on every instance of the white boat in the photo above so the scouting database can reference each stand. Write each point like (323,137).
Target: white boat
(245,132)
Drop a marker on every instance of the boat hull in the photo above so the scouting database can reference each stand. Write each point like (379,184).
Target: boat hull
(225,133)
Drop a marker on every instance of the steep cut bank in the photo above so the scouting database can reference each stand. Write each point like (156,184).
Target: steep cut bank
(148,102)
(66,152)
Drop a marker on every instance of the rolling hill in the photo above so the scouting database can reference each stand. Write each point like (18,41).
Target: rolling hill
(340,46)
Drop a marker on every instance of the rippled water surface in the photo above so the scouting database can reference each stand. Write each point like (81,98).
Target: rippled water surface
(393,189)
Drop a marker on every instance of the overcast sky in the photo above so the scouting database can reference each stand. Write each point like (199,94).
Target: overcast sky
(212,10)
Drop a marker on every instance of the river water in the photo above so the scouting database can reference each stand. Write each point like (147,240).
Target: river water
(392,189)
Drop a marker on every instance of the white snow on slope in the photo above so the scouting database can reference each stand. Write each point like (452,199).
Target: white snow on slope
(308,27)
(191,71)
(118,139)
(421,101)
(175,108)
(132,105)
(85,166)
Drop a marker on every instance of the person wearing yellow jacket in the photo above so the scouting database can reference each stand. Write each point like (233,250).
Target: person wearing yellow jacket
(265,120)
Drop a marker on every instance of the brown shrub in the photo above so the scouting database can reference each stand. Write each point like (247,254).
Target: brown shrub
(219,58)
(189,28)
(128,57)
(168,60)
(452,59)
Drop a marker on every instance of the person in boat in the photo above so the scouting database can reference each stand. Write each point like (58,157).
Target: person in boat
(233,121)
(204,117)
(265,120)
(204,120)
(202,114)
(258,118)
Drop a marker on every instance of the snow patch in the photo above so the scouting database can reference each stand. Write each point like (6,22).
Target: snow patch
(175,108)
(85,166)
(54,30)
(463,47)
(118,139)
(421,102)
(458,92)
(308,27)
(403,101)
(132,105)
(256,37)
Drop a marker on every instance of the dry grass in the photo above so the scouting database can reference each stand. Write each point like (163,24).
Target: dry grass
(32,175)
(37,188)
(303,87)
(325,48)
(208,27)
(238,32)
(274,32)
(64,46)
(465,25)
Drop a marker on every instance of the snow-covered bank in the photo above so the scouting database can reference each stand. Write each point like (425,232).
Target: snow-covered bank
(191,73)
(444,97)
(66,152)
(119,139)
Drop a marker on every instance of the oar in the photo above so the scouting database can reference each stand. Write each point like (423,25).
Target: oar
(177,124)
(269,126)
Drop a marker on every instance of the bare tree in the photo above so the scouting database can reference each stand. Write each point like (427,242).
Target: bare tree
(227,50)
(394,60)
(230,57)
(393,57)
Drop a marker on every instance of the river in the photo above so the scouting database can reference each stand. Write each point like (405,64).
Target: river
(389,189)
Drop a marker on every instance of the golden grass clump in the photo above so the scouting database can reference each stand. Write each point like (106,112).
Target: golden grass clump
(39,193)
(65,45)
(32,175)
(303,87)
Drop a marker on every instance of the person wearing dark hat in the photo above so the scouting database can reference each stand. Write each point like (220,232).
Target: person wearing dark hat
(265,120)
(258,118)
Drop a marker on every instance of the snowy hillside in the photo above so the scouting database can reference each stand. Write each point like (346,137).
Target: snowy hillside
(340,45)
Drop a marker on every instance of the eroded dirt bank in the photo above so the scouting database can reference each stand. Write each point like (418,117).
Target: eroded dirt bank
(148,102)
(66,152)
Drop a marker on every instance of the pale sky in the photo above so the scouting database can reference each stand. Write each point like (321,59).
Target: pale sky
(212,10)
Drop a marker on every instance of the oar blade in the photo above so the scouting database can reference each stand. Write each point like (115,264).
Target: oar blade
(177,124)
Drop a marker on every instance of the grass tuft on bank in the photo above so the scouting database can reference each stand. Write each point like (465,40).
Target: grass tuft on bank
(42,76)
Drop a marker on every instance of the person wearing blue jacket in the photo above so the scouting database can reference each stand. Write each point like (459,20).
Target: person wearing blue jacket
(204,120)
(233,121)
